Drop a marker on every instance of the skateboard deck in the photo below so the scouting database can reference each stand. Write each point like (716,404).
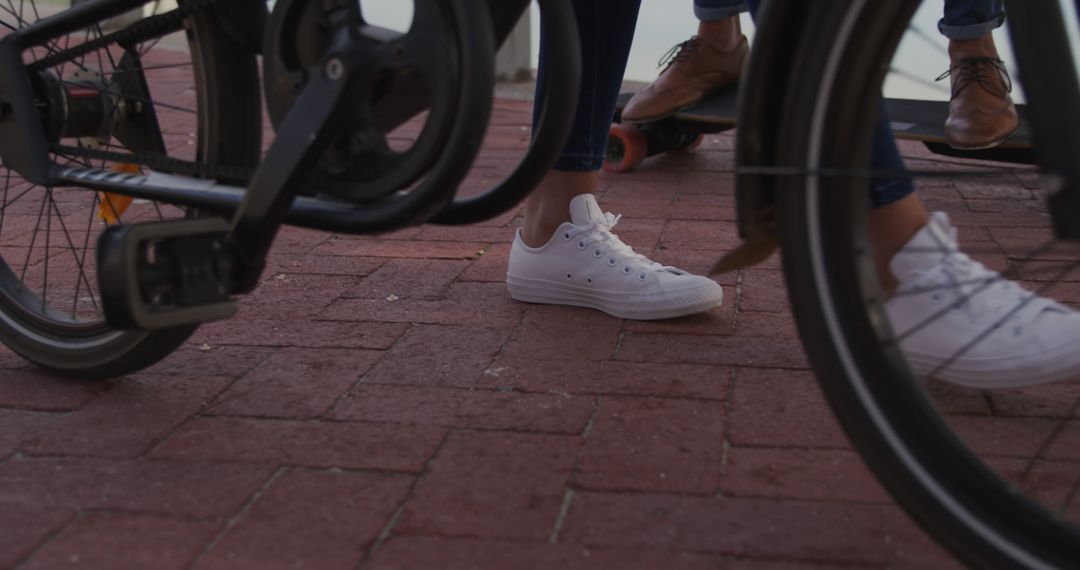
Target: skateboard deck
(911,119)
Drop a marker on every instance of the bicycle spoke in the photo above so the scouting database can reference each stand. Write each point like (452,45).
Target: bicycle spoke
(153,68)
(81,277)
(33,239)
(82,259)
(4,203)
(51,48)
(48,239)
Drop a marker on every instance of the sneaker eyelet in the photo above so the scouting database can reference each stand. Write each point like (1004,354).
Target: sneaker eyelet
(611,262)
(589,280)
(641,277)
(626,270)
(581,245)
(569,276)
(597,254)
(567,236)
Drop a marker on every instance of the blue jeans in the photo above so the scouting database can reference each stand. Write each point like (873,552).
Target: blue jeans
(970,19)
(713,10)
(606,29)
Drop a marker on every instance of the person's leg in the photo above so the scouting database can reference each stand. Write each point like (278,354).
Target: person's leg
(565,252)
(981,111)
(718,22)
(711,60)
(971,19)
(896,213)
(607,30)
(548,207)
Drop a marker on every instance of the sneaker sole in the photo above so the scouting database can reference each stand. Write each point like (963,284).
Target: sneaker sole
(544,292)
(984,379)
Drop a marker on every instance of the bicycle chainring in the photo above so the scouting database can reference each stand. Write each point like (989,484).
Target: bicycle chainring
(406,75)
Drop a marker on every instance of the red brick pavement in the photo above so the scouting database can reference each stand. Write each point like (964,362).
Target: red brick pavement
(381,403)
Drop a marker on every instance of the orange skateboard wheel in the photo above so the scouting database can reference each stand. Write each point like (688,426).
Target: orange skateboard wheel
(626,148)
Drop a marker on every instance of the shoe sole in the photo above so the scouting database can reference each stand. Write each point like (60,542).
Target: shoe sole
(989,145)
(642,121)
(982,379)
(547,293)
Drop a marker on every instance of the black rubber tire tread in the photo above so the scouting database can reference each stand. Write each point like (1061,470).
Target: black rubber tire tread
(230,131)
(839,308)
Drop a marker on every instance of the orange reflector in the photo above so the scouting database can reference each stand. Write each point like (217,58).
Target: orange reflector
(112,206)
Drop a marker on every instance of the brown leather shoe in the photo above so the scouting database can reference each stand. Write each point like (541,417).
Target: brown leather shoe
(695,70)
(981,112)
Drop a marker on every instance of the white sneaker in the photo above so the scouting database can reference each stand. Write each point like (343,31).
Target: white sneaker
(586,265)
(960,322)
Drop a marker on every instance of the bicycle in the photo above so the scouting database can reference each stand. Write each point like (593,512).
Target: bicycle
(78,121)
(78,113)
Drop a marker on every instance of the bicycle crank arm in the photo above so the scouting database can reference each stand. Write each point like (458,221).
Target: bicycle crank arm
(167,274)
(302,139)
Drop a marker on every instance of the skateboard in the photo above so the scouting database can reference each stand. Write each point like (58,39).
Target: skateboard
(912,119)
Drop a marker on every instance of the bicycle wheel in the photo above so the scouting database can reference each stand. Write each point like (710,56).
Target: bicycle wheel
(177,94)
(977,499)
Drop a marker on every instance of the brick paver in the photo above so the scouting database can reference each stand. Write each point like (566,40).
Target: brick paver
(381,403)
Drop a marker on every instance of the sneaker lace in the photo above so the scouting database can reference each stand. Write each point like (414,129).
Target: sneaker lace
(598,235)
(979,70)
(983,294)
(679,53)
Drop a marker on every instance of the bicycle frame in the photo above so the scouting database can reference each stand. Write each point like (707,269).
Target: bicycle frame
(25,147)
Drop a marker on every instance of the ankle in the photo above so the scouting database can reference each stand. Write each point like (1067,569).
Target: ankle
(548,207)
(723,35)
(892,227)
(538,233)
(979,47)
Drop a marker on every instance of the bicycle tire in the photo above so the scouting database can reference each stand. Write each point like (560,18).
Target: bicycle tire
(829,112)
(228,132)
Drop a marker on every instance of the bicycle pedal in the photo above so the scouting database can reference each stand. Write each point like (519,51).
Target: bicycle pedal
(165,274)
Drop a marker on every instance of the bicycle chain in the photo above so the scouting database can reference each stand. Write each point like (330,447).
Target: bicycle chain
(159,163)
